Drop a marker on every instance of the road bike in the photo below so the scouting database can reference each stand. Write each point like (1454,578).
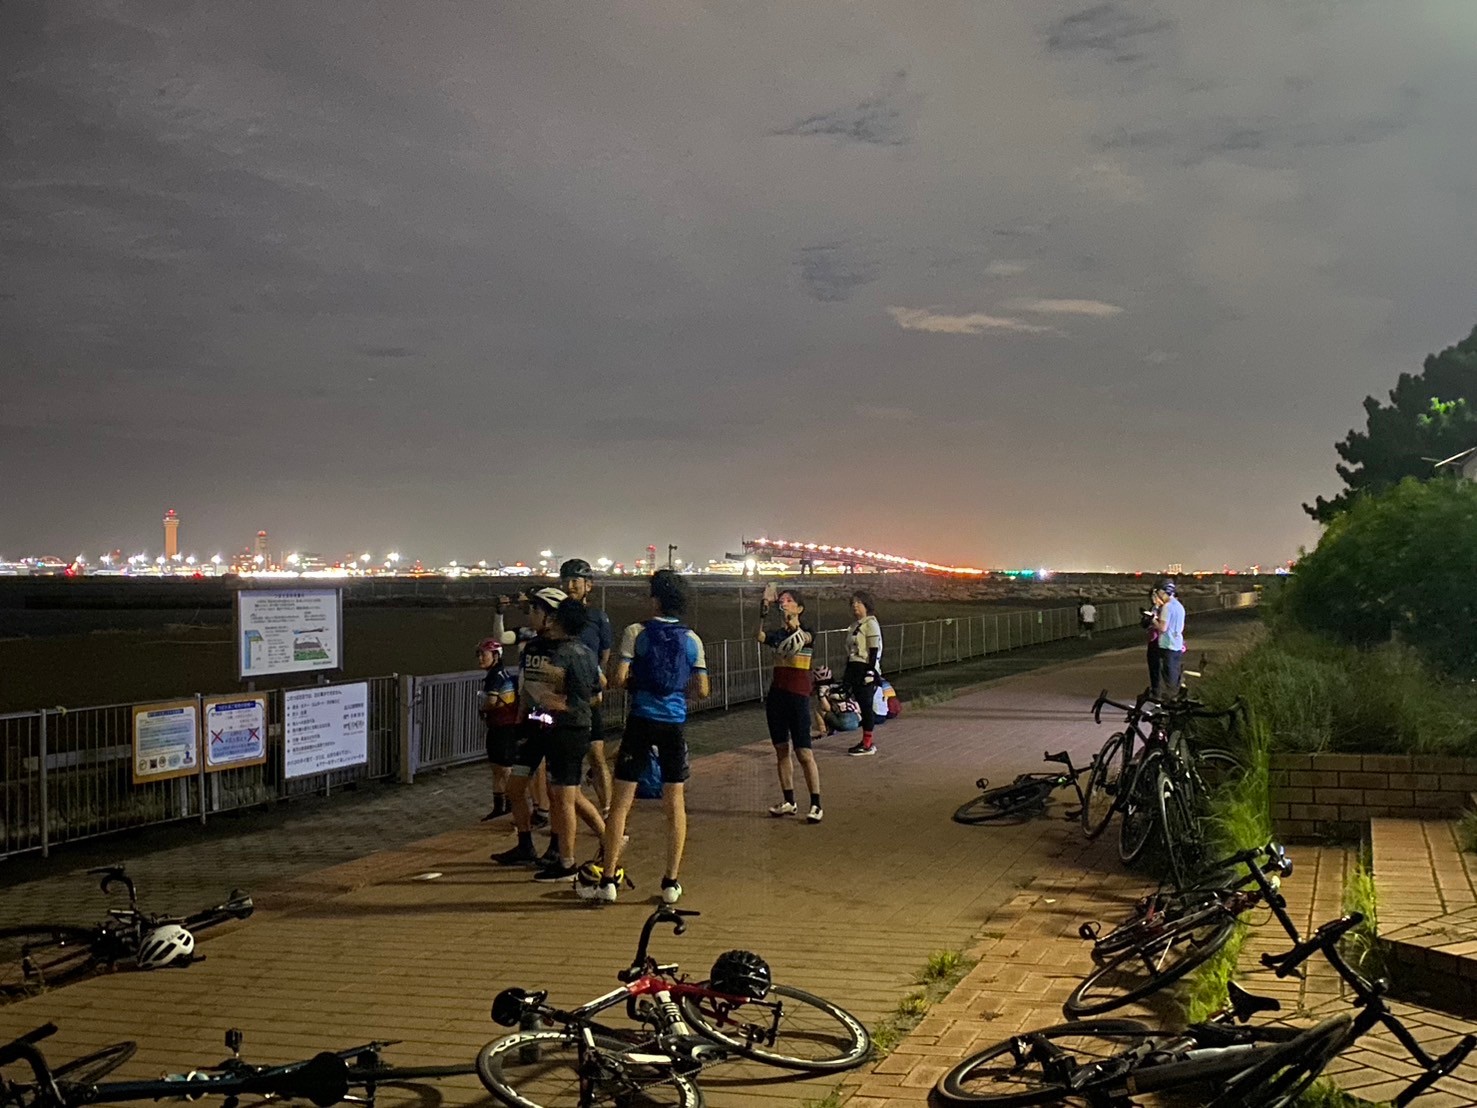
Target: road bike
(566,1059)
(1220,1062)
(1170,934)
(355,1074)
(1024,797)
(1129,777)
(38,956)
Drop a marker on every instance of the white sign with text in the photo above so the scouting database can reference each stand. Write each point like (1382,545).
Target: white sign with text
(325,728)
(288,631)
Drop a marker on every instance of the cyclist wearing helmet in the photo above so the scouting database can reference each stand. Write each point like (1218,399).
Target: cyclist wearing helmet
(576,578)
(1169,623)
(499,712)
(558,680)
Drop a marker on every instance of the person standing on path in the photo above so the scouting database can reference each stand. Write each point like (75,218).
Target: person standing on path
(663,666)
(499,712)
(787,704)
(1086,617)
(1170,625)
(863,655)
(1149,622)
(577,579)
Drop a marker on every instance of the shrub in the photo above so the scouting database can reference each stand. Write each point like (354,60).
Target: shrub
(1399,563)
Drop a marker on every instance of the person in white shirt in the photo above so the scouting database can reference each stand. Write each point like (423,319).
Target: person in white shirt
(863,659)
(1169,622)
(1086,618)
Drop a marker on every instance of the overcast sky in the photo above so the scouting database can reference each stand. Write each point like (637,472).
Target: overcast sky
(1002,282)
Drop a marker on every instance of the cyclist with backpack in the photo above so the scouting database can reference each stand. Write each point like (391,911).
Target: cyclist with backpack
(662,664)
(577,579)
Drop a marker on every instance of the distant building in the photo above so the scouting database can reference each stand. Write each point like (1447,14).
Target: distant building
(171,535)
(261,549)
(1464,463)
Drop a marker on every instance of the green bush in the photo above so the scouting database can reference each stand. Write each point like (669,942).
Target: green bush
(1400,563)
(1312,694)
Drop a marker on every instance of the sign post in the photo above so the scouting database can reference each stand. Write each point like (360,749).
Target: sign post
(166,740)
(281,631)
(235,732)
(325,728)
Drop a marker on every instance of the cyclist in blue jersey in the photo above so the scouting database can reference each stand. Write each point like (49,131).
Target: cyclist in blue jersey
(662,665)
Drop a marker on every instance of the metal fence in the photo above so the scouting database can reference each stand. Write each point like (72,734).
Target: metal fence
(445,730)
(66,774)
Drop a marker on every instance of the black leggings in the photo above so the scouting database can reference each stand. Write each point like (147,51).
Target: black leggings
(854,677)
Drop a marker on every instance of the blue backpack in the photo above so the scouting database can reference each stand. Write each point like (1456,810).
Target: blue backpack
(663,668)
(649,784)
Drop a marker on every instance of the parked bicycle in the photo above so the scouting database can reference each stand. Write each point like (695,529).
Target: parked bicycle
(1221,1062)
(1171,933)
(1024,797)
(680,1026)
(1155,776)
(355,1074)
(38,956)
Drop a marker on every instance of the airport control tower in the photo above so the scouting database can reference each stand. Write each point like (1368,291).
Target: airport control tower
(171,534)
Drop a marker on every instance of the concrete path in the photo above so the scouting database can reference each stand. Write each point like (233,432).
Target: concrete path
(377,947)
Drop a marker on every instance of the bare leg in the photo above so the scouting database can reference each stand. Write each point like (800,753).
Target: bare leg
(589,813)
(782,763)
(561,818)
(540,790)
(810,769)
(518,800)
(674,807)
(600,771)
(615,825)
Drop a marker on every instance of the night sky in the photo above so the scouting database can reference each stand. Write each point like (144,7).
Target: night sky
(1015,282)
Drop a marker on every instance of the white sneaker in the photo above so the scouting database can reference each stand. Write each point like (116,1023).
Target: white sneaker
(783,808)
(606,892)
(671,891)
(815,815)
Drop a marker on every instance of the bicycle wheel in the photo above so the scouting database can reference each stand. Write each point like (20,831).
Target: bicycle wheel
(1100,798)
(1006,802)
(1156,915)
(1137,825)
(92,1068)
(37,957)
(1139,971)
(1278,1080)
(790,1028)
(1178,826)
(541,1069)
(1216,768)
(1011,1074)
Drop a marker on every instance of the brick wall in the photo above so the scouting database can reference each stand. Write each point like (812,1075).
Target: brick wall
(1320,796)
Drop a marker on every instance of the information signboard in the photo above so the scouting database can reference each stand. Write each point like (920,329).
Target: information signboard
(325,728)
(235,732)
(166,740)
(288,631)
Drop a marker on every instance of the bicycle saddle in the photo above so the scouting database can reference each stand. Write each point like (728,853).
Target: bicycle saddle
(1063,757)
(1245,1005)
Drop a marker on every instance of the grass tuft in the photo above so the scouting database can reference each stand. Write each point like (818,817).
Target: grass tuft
(1361,946)
(938,976)
(1466,832)
(833,1099)
(1323,1093)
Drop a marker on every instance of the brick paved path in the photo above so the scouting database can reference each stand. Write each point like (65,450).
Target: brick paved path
(850,908)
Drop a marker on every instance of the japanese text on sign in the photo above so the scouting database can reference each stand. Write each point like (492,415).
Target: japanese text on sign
(325,728)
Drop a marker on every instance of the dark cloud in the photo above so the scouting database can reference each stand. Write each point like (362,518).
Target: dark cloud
(1113,30)
(833,271)
(878,120)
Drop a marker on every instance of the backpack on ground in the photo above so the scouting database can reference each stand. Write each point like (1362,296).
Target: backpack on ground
(649,784)
(663,668)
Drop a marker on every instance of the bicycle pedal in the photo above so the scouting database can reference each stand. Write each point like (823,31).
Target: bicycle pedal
(1073,816)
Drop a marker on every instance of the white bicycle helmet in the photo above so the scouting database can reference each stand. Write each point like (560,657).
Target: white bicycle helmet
(164,946)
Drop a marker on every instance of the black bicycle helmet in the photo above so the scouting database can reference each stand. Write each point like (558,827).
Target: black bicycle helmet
(575,567)
(740,973)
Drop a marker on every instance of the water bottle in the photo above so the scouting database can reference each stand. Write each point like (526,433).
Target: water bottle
(528,1053)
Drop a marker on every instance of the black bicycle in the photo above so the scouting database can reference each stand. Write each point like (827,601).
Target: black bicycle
(566,1059)
(1026,796)
(1170,934)
(1220,1062)
(355,1074)
(38,956)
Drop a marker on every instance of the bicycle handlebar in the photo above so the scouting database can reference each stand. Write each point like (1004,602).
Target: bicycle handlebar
(112,873)
(677,917)
(23,1049)
(1323,939)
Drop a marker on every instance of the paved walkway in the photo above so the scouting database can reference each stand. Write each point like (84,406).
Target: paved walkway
(850,908)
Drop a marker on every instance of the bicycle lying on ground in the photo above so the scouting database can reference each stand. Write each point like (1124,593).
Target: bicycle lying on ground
(1222,1062)
(1170,934)
(681,1026)
(34,957)
(327,1078)
(1024,797)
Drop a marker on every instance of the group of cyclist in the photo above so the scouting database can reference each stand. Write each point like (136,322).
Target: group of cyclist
(544,723)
